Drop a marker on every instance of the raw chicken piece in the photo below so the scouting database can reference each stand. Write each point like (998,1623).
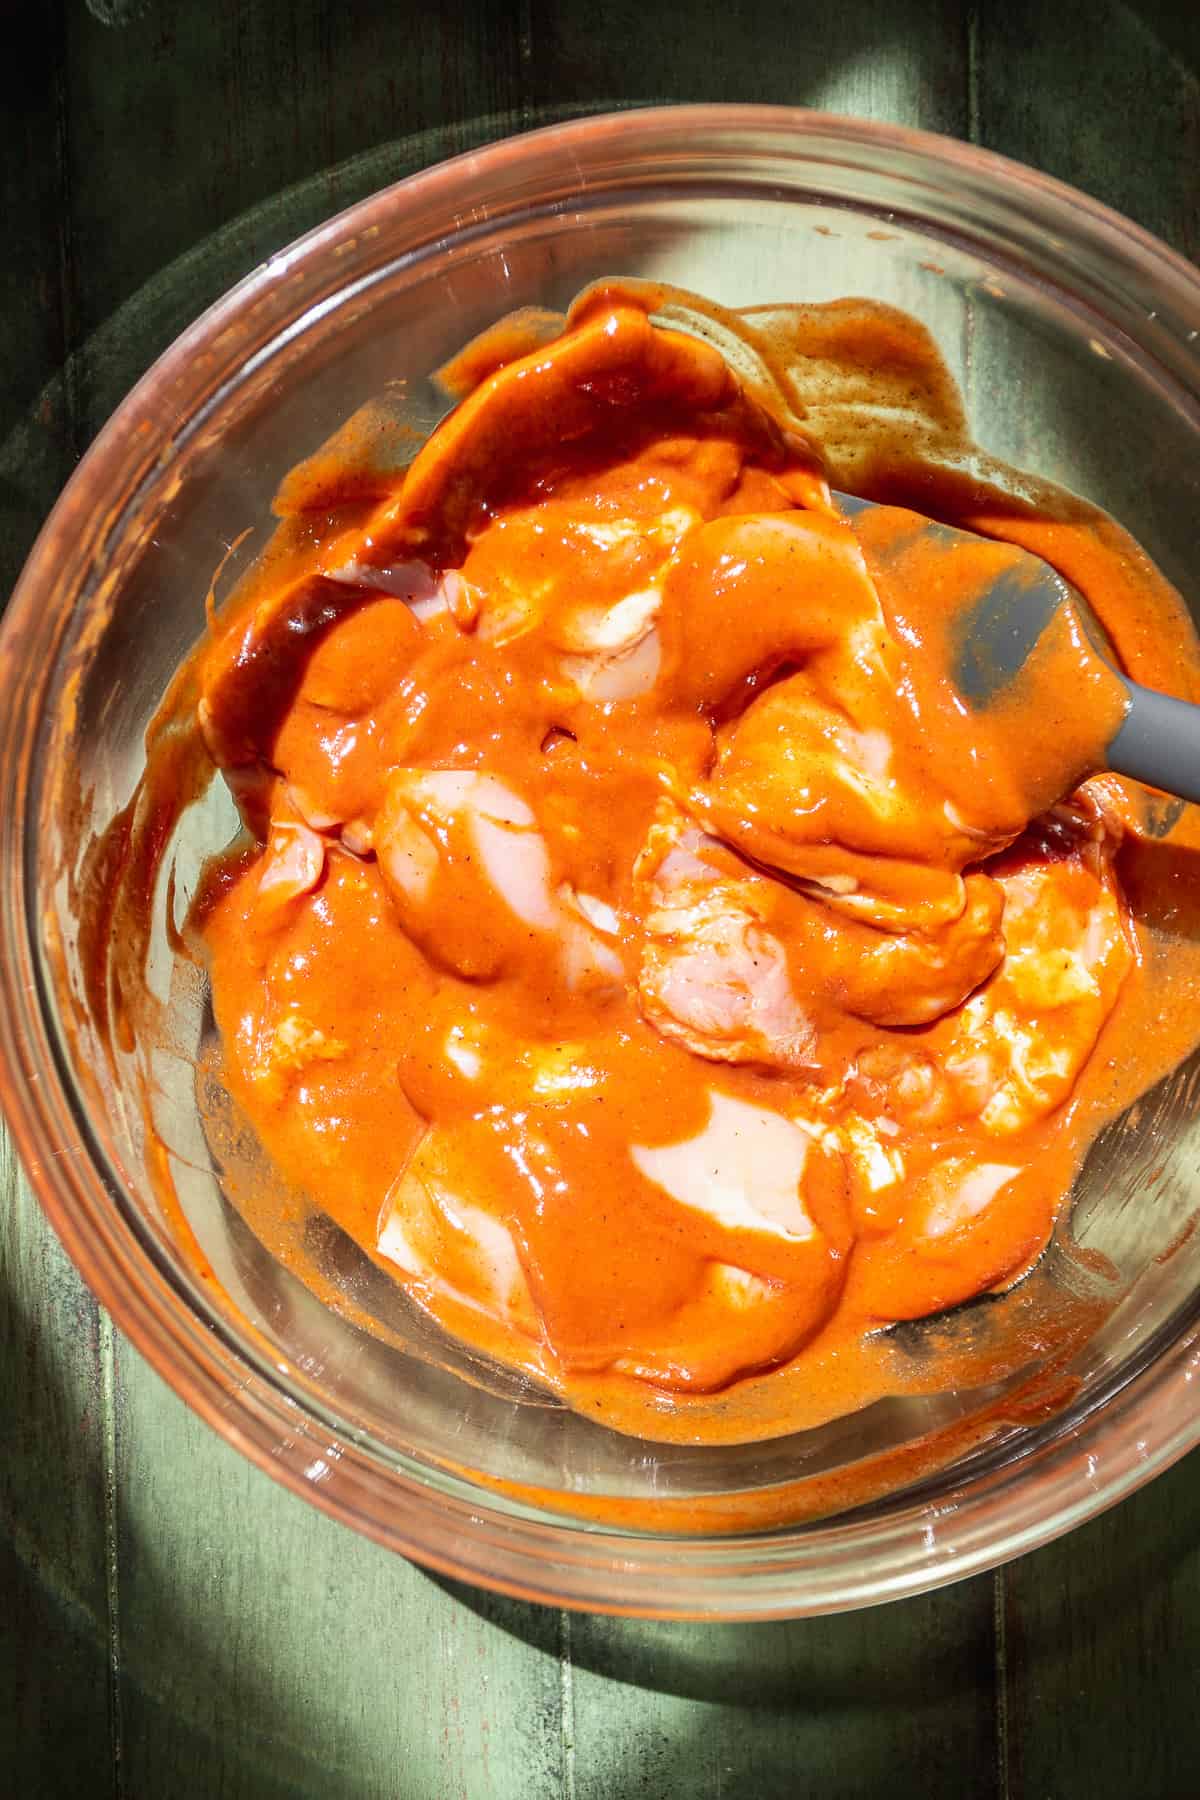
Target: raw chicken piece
(740,967)
(764,1261)
(594,602)
(1026,1037)
(453,842)
(875,1166)
(627,666)
(957,1192)
(733,1323)
(713,976)
(822,744)
(745,1170)
(798,586)
(765,1198)
(801,786)
(1021,1043)
(897,976)
(965,1226)
(292,865)
(1013,1052)
(451,1247)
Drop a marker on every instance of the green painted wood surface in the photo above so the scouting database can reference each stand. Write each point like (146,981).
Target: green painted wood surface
(171,1623)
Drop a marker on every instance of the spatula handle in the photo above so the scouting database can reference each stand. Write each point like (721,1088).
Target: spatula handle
(1159,742)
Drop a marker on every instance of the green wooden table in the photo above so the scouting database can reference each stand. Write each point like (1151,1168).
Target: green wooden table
(171,1622)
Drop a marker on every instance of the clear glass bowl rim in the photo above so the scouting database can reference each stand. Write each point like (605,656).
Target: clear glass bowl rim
(904,1545)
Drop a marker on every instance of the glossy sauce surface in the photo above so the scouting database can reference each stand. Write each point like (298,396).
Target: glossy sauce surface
(643,952)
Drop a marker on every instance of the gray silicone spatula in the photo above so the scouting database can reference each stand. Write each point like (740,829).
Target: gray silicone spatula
(1157,741)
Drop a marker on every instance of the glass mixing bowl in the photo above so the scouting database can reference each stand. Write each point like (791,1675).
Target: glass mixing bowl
(1076,338)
